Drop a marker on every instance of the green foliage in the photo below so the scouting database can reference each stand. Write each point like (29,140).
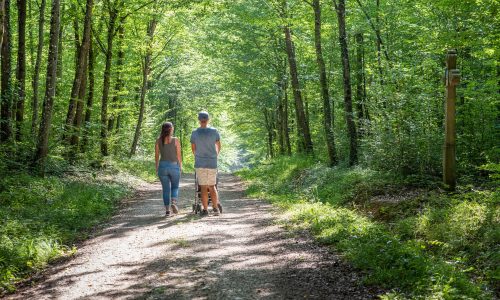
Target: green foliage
(463,229)
(228,57)
(140,167)
(144,168)
(40,218)
(309,179)
(426,245)
(494,171)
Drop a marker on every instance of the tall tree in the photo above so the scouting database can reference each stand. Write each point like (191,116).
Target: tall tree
(90,95)
(379,41)
(48,102)
(280,64)
(2,17)
(303,125)
(327,111)
(120,81)
(119,77)
(21,66)
(146,70)
(268,122)
(38,64)
(113,11)
(77,79)
(285,120)
(344,55)
(6,93)
(280,119)
(80,79)
(60,48)
(362,110)
(77,122)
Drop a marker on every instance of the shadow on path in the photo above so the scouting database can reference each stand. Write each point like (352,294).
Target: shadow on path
(241,254)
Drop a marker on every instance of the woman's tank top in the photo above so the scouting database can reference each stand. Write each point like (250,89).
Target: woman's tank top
(168,152)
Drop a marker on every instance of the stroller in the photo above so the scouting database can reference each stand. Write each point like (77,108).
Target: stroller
(197,207)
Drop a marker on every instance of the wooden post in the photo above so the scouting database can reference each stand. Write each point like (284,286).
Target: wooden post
(451,80)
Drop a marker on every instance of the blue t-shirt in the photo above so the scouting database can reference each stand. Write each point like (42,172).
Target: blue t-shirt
(206,154)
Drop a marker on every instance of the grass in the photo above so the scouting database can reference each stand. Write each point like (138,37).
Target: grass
(139,167)
(144,168)
(424,244)
(41,218)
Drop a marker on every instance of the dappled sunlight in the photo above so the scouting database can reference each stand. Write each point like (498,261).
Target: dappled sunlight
(367,127)
(419,239)
(241,253)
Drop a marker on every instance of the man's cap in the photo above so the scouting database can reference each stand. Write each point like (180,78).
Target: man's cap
(203,115)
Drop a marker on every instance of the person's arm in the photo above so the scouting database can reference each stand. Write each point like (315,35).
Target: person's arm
(193,144)
(218,146)
(179,153)
(217,142)
(157,155)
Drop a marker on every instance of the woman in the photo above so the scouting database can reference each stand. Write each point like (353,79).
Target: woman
(169,166)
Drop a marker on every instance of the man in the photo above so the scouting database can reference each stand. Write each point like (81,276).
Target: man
(205,143)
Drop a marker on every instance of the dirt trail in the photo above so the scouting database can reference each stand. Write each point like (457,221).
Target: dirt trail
(240,255)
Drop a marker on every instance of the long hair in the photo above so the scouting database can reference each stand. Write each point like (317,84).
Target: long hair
(166,130)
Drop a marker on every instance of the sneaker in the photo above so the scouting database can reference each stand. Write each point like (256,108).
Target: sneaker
(216,212)
(174,207)
(168,214)
(204,213)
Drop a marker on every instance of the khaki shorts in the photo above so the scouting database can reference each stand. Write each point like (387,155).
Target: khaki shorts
(206,176)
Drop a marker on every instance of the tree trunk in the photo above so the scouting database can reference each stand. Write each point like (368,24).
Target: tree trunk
(113,14)
(38,64)
(379,41)
(31,41)
(351,125)
(77,79)
(48,102)
(119,80)
(362,111)
(281,90)
(2,17)
(328,117)
(60,49)
(303,126)
(146,69)
(6,93)
(80,79)
(75,138)
(280,118)
(270,152)
(272,127)
(60,52)
(76,36)
(21,66)
(285,121)
(306,105)
(379,44)
(90,95)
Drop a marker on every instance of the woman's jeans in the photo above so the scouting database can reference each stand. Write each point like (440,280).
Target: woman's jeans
(170,176)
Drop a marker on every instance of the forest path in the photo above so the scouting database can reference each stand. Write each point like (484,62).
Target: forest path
(241,254)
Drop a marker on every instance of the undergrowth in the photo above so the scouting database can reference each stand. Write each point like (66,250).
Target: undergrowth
(41,218)
(412,238)
(144,167)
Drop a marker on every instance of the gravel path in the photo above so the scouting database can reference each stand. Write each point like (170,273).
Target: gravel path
(240,255)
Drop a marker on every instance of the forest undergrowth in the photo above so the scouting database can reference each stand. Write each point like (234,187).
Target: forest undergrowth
(43,219)
(407,233)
